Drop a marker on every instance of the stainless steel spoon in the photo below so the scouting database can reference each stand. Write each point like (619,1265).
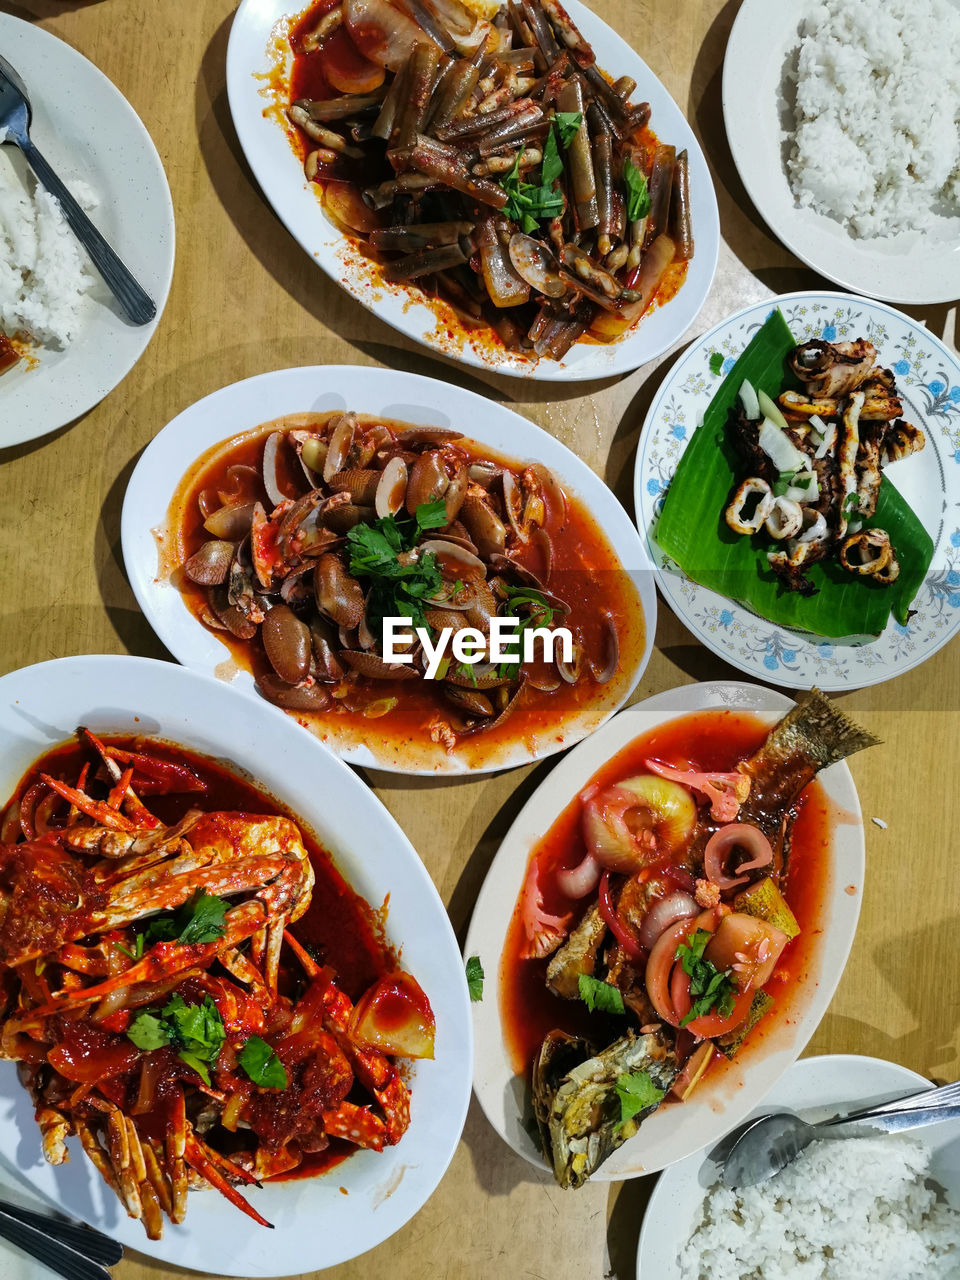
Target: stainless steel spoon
(769,1143)
(15,117)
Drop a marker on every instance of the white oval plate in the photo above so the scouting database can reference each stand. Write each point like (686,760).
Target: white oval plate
(316,1225)
(674,1132)
(406,396)
(816,1088)
(280,175)
(912,266)
(87,130)
(928,378)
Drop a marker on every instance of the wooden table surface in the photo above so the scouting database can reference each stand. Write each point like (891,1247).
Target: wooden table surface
(246,300)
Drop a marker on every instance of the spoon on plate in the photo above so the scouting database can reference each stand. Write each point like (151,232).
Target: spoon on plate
(15,114)
(769,1143)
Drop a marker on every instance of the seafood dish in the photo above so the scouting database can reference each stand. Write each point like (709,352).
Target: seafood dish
(815,462)
(782,501)
(187,983)
(491,164)
(665,920)
(294,541)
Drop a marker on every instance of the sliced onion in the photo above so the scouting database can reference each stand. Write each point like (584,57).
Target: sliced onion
(748,398)
(660,966)
(675,906)
(381,33)
(616,926)
(578,881)
(770,409)
(779,448)
(735,835)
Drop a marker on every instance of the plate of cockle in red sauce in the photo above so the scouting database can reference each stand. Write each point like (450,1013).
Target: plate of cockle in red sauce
(664,926)
(230,996)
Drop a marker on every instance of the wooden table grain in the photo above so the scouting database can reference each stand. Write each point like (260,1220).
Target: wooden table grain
(245,300)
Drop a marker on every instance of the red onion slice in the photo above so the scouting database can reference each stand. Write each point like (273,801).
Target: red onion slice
(578,881)
(675,906)
(721,844)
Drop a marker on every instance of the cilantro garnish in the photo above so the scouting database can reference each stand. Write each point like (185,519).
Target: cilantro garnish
(716,363)
(636,1092)
(262,1065)
(638,197)
(711,989)
(540,615)
(599,995)
(195,1031)
(199,920)
(529,203)
(568,124)
(850,501)
(475,978)
(397,590)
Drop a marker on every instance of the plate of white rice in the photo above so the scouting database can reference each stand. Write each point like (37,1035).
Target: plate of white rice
(76,344)
(871,1208)
(843,118)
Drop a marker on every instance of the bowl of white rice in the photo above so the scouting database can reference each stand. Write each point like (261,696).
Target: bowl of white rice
(843,118)
(871,1208)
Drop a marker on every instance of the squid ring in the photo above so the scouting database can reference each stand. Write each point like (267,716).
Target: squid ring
(734,514)
(785,518)
(867,553)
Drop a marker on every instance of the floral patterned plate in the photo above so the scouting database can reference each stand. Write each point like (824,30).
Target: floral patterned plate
(928,378)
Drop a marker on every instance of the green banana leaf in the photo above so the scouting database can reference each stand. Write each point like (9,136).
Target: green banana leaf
(692,531)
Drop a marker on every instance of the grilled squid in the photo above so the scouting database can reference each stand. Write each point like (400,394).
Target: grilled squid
(867,553)
(784,520)
(752,491)
(833,369)
(902,440)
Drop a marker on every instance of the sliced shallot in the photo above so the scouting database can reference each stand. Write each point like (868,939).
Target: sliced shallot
(736,835)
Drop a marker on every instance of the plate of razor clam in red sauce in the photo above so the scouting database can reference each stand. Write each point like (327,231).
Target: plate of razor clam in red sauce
(663,927)
(271,528)
(514,187)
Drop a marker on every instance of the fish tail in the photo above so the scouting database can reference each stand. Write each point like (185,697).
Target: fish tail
(818,729)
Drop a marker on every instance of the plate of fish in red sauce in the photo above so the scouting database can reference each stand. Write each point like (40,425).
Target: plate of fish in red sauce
(513,188)
(270,501)
(664,926)
(246,1008)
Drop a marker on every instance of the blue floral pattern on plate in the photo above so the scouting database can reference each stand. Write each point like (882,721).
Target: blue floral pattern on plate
(928,376)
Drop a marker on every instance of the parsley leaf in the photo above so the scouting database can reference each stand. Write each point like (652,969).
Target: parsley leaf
(431,515)
(540,615)
(711,989)
(552,166)
(716,363)
(148,1032)
(638,197)
(198,920)
(599,995)
(398,590)
(475,976)
(196,1031)
(568,124)
(636,1092)
(262,1065)
(527,203)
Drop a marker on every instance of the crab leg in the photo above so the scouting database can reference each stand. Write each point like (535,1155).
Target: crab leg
(92,808)
(174,1149)
(197,1159)
(357,1125)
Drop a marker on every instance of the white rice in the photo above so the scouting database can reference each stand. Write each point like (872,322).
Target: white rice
(848,1210)
(44,273)
(876,143)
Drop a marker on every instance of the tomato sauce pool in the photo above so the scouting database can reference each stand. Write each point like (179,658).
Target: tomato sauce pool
(339,928)
(713,741)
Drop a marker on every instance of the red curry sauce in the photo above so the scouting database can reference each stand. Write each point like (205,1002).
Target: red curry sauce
(712,741)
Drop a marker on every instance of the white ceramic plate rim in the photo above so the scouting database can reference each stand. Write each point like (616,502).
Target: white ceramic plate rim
(674,1133)
(816,1088)
(244,405)
(910,267)
(316,1226)
(281,179)
(867,672)
(87,129)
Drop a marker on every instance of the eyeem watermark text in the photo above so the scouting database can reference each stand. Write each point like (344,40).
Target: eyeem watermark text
(505,643)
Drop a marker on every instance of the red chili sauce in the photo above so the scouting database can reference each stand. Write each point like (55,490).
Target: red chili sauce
(714,741)
(585,572)
(338,66)
(339,928)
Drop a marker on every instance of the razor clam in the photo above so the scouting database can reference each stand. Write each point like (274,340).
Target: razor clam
(582,1109)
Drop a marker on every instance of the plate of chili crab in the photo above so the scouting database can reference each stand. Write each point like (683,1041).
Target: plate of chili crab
(513,188)
(271,527)
(664,926)
(202,914)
